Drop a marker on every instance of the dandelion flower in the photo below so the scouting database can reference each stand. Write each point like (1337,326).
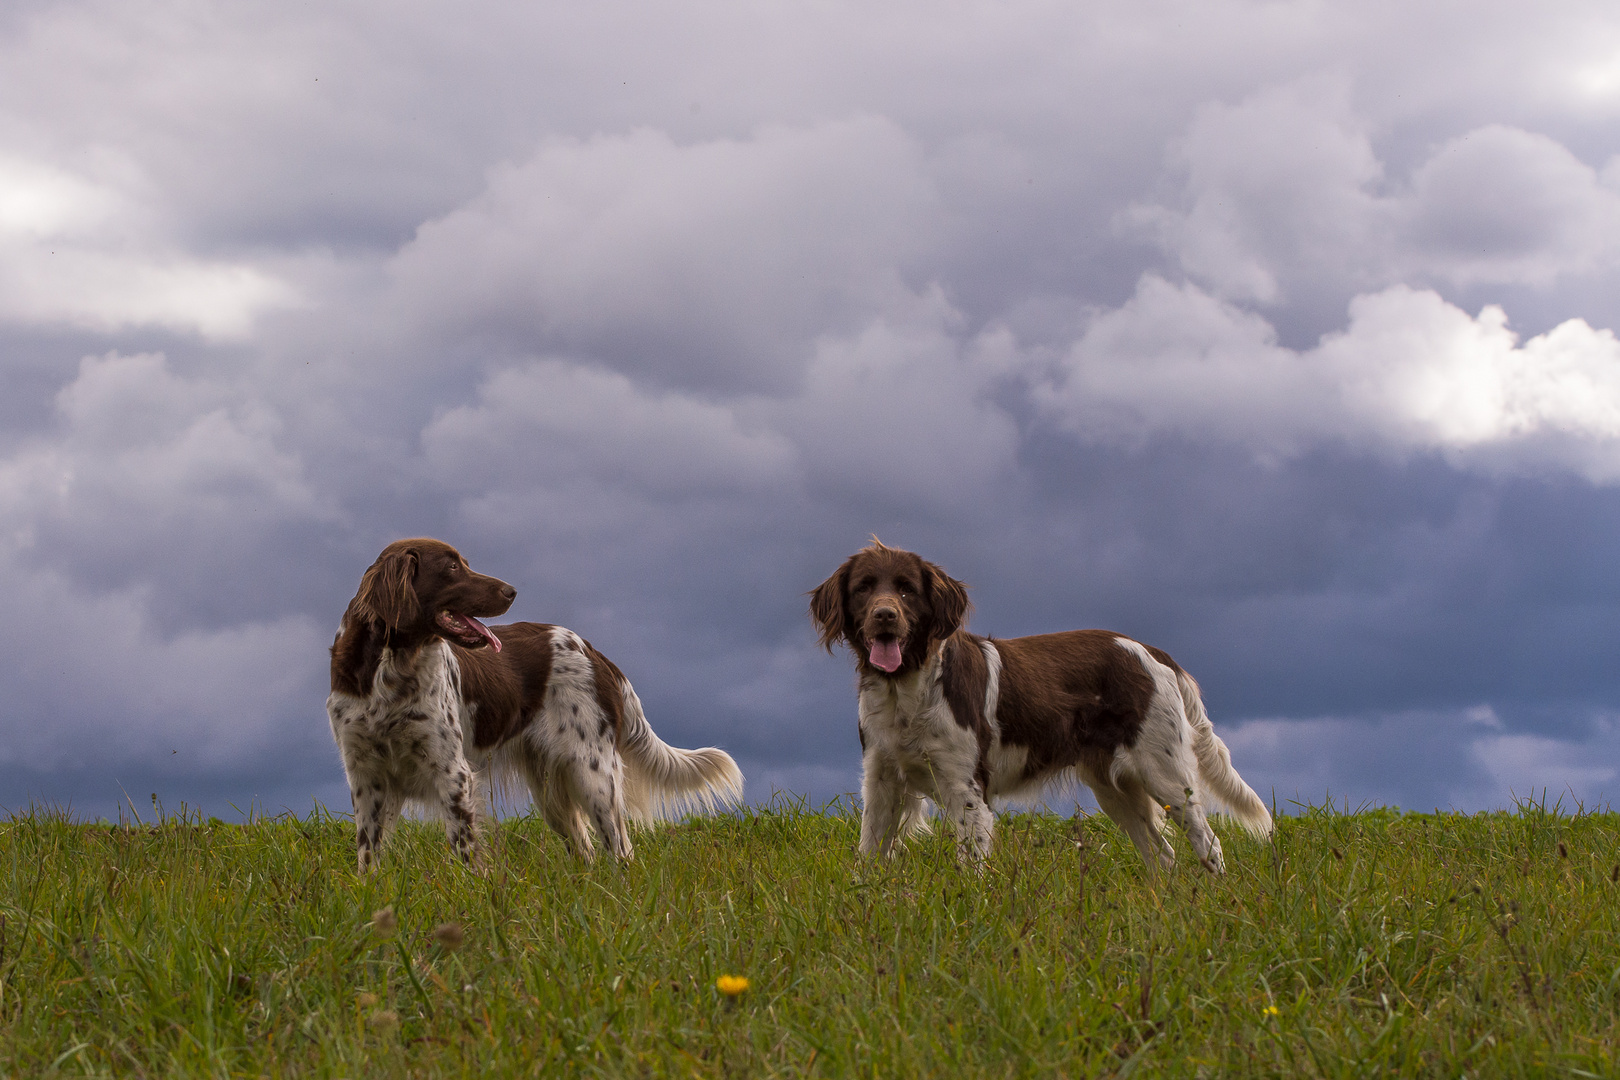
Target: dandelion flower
(449,935)
(1269,1010)
(384,922)
(731,985)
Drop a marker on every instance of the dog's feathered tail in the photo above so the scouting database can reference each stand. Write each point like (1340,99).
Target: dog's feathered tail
(663,781)
(1215,764)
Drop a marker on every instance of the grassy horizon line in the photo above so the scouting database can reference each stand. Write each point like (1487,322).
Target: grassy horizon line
(508,809)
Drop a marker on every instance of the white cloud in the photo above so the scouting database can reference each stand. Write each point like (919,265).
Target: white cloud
(1422,374)
(1176,360)
(903,413)
(1277,184)
(149,479)
(44,284)
(1500,204)
(1283,194)
(79,253)
(41,202)
(135,440)
(563,426)
(1410,374)
(718,257)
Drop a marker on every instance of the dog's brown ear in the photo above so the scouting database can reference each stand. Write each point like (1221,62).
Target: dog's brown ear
(949,600)
(827,609)
(388,590)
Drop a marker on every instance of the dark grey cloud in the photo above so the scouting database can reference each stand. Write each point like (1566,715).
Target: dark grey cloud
(1280,339)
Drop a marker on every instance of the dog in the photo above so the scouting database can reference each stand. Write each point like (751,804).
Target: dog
(964,720)
(426,700)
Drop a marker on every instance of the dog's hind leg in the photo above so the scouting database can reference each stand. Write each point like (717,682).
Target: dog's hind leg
(549,787)
(597,785)
(1170,775)
(1129,804)
(567,822)
(587,775)
(1195,823)
(1165,762)
(575,734)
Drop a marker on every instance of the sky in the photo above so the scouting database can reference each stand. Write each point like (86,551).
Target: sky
(1279,335)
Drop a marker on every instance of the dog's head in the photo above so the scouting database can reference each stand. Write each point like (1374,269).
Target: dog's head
(423,588)
(888,605)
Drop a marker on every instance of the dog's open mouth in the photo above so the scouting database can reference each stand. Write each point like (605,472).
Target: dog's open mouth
(468,631)
(885,654)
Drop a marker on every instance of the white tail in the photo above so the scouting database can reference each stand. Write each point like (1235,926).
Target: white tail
(663,781)
(1215,765)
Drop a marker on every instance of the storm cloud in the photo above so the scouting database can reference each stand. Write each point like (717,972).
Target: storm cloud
(1277,336)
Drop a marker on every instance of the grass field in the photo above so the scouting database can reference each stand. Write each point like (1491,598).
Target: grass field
(1364,944)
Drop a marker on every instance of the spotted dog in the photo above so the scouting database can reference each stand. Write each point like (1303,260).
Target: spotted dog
(426,699)
(966,720)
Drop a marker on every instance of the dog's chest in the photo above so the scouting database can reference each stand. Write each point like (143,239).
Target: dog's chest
(908,718)
(411,719)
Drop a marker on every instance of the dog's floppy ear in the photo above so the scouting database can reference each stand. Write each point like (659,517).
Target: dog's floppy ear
(827,607)
(388,591)
(949,600)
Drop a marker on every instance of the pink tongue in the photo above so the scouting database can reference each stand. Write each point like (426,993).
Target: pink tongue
(886,655)
(494,642)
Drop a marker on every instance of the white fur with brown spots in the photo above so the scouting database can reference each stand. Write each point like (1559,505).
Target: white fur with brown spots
(966,720)
(426,701)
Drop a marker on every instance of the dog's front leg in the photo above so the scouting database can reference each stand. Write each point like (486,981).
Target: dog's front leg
(457,795)
(450,777)
(883,796)
(970,816)
(376,805)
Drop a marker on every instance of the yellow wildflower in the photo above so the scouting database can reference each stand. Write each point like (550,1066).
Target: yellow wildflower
(1269,1010)
(731,985)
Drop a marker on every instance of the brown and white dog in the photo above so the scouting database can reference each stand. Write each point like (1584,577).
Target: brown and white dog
(424,696)
(964,720)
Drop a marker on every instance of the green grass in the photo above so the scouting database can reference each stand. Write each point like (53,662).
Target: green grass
(1373,943)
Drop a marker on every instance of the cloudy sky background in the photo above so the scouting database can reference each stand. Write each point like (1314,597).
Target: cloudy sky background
(1279,335)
